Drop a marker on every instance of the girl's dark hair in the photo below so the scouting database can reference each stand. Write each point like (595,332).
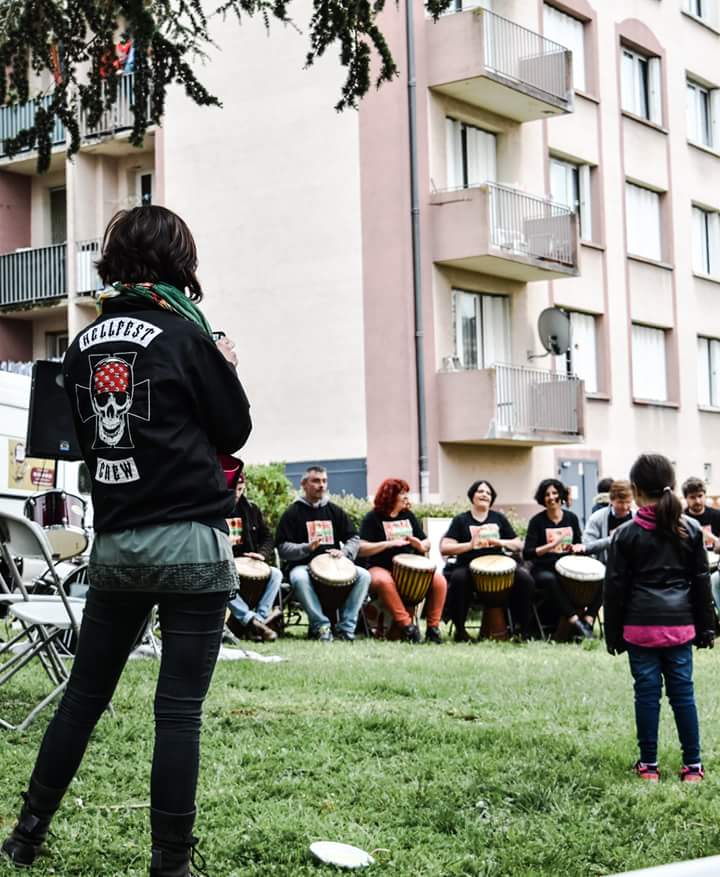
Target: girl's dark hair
(150,244)
(543,487)
(474,486)
(653,476)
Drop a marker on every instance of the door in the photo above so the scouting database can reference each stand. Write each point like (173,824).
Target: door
(581,477)
(58,215)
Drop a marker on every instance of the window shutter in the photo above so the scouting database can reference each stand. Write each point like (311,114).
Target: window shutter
(699,241)
(628,81)
(561,182)
(453,149)
(692,126)
(654,91)
(713,243)
(703,372)
(584,349)
(649,364)
(495,330)
(644,233)
(480,156)
(715,118)
(585,203)
(714,373)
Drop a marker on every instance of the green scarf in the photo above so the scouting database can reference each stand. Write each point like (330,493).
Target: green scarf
(162,295)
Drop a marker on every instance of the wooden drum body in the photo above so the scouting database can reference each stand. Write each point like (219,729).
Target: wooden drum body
(413,575)
(580,577)
(493,576)
(333,577)
(254,575)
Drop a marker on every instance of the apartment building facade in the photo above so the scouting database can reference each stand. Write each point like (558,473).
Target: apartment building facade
(568,155)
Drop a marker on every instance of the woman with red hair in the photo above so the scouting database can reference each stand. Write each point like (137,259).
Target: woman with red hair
(390,529)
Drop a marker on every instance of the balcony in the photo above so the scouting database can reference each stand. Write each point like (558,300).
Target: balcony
(510,405)
(87,253)
(33,276)
(110,135)
(491,62)
(503,232)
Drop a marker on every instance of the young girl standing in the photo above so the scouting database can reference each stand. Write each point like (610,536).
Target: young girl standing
(657,605)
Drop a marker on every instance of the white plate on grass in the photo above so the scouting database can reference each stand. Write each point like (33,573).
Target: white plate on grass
(342,855)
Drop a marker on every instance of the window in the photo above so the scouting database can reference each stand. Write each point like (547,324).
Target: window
(703,112)
(649,368)
(569,32)
(584,349)
(644,235)
(706,10)
(144,186)
(482,328)
(709,372)
(58,215)
(570,185)
(641,85)
(706,241)
(470,155)
(56,343)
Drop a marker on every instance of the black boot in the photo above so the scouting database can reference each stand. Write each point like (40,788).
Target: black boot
(23,845)
(173,844)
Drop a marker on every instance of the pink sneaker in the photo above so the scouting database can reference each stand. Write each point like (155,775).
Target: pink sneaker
(691,774)
(649,772)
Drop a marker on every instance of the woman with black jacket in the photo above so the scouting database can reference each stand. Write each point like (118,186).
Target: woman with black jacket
(657,604)
(155,401)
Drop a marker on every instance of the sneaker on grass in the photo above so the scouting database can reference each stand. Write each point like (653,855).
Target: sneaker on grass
(649,772)
(692,773)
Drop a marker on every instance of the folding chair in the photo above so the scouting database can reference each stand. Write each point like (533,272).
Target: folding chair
(42,619)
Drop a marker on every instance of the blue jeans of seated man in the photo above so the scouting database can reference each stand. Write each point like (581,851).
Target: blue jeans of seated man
(675,665)
(245,614)
(302,585)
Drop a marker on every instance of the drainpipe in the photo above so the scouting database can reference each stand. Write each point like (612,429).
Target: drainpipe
(417,277)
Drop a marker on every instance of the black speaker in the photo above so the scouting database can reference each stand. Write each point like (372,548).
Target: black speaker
(51,431)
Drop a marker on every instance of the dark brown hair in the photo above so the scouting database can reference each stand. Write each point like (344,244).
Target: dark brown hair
(693,485)
(150,244)
(545,485)
(472,490)
(654,477)
(621,490)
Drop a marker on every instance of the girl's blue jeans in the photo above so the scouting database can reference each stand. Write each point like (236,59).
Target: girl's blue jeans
(649,667)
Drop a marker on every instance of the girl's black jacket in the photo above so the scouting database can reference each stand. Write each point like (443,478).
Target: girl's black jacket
(653,580)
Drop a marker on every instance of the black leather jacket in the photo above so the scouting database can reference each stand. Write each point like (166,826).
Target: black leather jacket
(652,580)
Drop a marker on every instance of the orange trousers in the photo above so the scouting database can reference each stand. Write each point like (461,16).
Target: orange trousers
(382,585)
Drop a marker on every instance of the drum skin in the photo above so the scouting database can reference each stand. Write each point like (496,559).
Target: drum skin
(333,572)
(580,578)
(413,575)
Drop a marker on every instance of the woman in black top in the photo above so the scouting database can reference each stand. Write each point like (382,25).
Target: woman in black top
(551,533)
(390,529)
(155,400)
(475,533)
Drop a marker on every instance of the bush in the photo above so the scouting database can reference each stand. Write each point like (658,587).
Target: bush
(356,510)
(269,487)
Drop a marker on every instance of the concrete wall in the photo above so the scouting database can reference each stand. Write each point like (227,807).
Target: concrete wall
(14,211)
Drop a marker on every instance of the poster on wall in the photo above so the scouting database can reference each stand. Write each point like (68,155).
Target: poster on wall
(28,473)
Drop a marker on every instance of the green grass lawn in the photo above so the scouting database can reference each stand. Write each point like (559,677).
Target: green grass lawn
(492,759)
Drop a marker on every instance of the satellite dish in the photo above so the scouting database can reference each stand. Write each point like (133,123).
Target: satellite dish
(554,331)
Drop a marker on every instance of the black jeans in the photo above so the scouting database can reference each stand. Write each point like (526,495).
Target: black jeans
(461,593)
(192,626)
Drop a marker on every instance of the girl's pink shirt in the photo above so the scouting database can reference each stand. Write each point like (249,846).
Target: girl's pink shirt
(657,636)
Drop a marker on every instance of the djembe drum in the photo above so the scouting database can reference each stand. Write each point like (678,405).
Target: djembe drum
(580,577)
(253,575)
(333,577)
(493,576)
(413,575)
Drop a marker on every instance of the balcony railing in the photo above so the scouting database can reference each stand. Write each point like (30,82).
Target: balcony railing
(87,254)
(525,225)
(514,52)
(120,116)
(531,401)
(33,275)
(16,117)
